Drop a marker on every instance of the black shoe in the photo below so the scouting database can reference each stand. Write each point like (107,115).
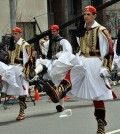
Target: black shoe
(59,108)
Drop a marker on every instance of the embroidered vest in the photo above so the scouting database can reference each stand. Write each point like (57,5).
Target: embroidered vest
(56,47)
(90,43)
(16,56)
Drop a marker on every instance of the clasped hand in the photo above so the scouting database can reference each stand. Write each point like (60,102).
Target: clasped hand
(104,72)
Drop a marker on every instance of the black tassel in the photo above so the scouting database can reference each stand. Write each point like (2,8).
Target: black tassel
(81,30)
(49,54)
(118,44)
(12,44)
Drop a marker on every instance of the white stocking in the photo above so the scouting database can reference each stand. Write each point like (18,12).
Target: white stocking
(61,101)
(38,69)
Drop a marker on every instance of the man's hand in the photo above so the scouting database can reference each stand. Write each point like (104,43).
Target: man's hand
(54,57)
(104,72)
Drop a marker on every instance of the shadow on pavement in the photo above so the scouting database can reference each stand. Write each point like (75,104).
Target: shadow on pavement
(29,116)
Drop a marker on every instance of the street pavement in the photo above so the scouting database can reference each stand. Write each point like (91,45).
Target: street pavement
(42,117)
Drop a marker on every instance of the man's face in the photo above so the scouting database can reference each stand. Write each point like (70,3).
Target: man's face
(16,36)
(89,17)
(54,32)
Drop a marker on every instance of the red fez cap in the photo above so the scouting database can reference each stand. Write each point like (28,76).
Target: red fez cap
(90,9)
(17,29)
(54,27)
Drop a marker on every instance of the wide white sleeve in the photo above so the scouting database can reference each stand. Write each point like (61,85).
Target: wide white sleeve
(114,47)
(103,44)
(25,54)
(43,50)
(66,47)
(46,45)
(78,41)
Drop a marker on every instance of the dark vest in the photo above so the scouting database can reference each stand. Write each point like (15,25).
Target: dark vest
(54,46)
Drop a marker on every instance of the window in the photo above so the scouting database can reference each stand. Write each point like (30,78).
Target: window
(28,29)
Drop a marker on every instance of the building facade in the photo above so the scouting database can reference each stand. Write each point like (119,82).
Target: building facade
(48,12)
(27,13)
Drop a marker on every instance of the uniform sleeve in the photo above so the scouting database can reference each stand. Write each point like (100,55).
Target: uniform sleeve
(27,54)
(28,50)
(46,45)
(66,47)
(106,49)
(43,50)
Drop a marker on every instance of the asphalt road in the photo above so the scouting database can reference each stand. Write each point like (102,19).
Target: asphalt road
(43,118)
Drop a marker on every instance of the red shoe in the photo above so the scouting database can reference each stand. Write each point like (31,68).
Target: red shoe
(20,118)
